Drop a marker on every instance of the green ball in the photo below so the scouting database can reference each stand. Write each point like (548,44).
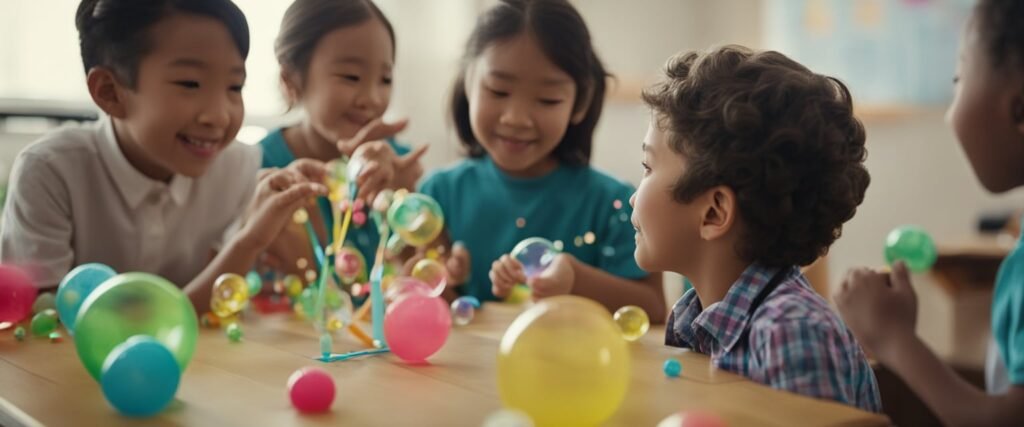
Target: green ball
(44,322)
(134,304)
(255,283)
(44,301)
(912,245)
(19,333)
(234,332)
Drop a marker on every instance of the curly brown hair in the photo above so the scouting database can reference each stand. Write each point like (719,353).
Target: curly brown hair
(783,138)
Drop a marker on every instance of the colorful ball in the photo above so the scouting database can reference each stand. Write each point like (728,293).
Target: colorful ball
(913,245)
(692,419)
(536,254)
(462,311)
(19,333)
(564,362)
(401,286)
(140,377)
(255,282)
(632,321)
(233,332)
(230,295)
(76,286)
(508,418)
(17,293)
(417,218)
(45,301)
(135,304)
(416,326)
(350,265)
(433,273)
(672,368)
(311,390)
(44,322)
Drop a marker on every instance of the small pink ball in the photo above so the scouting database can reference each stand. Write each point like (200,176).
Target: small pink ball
(311,390)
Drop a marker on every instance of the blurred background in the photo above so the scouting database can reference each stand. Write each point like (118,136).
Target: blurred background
(897,56)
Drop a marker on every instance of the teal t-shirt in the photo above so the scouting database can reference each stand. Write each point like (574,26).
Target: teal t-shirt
(277,154)
(1008,314)
(490,211)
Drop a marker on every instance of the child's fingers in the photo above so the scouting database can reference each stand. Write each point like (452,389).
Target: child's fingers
(310,169)
(515,268)
(500,288)
(375,130)
(499,274)
(507,270)
(414,156)
(293,197)
(372,179)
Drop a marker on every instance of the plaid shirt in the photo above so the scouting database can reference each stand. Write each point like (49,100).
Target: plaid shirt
(792,341)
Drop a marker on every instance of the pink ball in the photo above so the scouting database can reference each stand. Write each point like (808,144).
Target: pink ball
(17,293)
(702,419)
(416,326)
(311,390)
(402,286)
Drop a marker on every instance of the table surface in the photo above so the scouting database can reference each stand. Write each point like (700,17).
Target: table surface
(245,383)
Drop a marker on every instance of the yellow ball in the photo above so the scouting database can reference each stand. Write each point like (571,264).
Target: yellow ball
(417,218)
(632,321)
(519,295)
(230,295)
(564,362)
(432,273)
(293,285)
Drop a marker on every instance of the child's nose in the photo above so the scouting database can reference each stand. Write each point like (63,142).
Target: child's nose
(217,114)
(632,200)
(515,116)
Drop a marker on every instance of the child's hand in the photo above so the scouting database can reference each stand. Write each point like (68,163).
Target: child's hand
(374,131)
(458,265)
(880,308)
(557,279)
(409,170)
(376,162)
(278,195)
(505,273)
(311,169)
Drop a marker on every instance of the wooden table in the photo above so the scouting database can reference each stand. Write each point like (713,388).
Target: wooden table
(244,384)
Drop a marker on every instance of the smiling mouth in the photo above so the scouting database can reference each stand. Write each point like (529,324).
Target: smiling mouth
(201,147)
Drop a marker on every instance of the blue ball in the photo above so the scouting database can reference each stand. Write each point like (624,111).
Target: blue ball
(77,285)
(472,300)
(140,377)
(672,368)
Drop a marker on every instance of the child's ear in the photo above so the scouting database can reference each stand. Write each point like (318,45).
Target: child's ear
(291,84)
(106,91)
(719,212)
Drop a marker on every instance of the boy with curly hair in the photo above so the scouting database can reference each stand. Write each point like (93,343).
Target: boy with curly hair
(752,163)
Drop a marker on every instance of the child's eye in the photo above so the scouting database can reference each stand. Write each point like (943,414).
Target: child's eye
(386,81)
(350,77)
(647,168)
(497,93)
(236,88)
(188,84)
(551,101)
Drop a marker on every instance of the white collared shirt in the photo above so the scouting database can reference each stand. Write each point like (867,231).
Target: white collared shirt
(74,198)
